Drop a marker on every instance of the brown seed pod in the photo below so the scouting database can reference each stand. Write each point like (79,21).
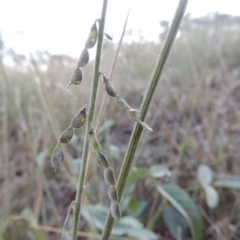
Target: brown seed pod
(57,158)
(111,91)
(80,118)
(76,77)
(93,142)
(102,160)
(109,176)
(122,103)
(66,135)
(84,58)
(115,211)
(92,37)
(113,193)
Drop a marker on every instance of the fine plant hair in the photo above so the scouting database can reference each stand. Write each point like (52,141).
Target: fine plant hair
(87,114)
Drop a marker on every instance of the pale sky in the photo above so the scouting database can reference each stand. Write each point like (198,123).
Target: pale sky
(61,27)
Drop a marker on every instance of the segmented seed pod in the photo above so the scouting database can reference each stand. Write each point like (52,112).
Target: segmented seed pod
(107,36)
(93,142)
(134,114)
(84,58)
(113,193)
(80,118)
(76,77)
(109,176)
(115,211)
(122,103)
(66,135)
(92,37)
(111,91)
(57,158)
(102,160)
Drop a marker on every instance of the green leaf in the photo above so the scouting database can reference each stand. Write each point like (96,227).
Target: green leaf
(159,171)
(227,183)
(205,174)
(28,216)
(4,222)
(133,205)
(175,222)
(185,205)
(139,173)
(212,197)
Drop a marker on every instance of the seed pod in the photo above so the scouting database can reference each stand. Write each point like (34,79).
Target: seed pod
(111,91)
(102,160)
(108,36)
(76,77)
(115,211)
(93,142)
(83,59)
(134,114)
(92,38)
(80,118)
(109,176)
(66,135)
(57,158)
(122,103)
(112,193)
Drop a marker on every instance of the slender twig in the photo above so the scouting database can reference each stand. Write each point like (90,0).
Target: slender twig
(90,120)
(152,86)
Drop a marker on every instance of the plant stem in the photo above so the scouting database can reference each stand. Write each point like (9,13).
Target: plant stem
(90,119)
(152,86)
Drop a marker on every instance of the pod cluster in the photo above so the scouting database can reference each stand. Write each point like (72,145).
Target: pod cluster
(112,92)
(68,224)
(83,60)
(77,122)
(109,177)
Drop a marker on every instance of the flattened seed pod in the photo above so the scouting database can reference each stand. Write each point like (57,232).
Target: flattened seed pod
(111,91)
(112,193)
(76,77)
(80,118)
(102,160)
(57,158)
(83,59)
(93,142)
(66,135)
(122,103)
(109,176)
(115,211)
(92,37)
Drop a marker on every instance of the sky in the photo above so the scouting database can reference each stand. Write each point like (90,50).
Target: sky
(62,27)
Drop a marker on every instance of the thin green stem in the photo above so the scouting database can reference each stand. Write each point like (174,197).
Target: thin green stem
(90,119)
(152,86)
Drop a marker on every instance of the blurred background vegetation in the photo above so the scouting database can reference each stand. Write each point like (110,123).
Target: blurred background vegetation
(196,122)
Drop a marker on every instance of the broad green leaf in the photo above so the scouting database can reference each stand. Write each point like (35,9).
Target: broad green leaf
(205,175)
(227,183)
(139,173)
(28,215)
(4,222)
(175,222)
(185,205)
(212,197)
(133,205)
(159,171)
